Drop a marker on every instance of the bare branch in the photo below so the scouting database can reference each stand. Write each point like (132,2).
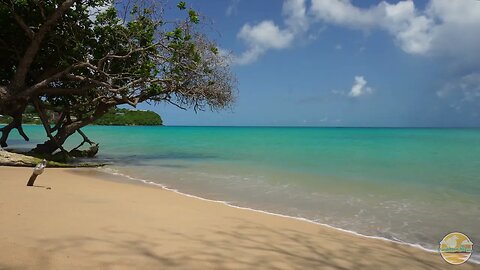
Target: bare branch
(175,104)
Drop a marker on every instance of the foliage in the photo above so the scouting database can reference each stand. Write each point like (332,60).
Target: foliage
(125,117)
(77,59)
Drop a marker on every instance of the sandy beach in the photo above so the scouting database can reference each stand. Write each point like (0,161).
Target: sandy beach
(74,219)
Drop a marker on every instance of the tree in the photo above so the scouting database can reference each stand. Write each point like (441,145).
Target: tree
(74,60)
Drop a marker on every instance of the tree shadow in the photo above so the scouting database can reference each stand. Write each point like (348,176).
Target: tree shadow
(247,245)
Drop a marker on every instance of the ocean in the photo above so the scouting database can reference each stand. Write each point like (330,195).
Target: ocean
(407,185)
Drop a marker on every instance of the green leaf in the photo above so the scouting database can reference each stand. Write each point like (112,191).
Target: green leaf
(193,16)
(214,49)
(178,32)
(181,5)
(134,9)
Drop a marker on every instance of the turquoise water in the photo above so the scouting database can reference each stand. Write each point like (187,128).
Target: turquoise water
(410,185)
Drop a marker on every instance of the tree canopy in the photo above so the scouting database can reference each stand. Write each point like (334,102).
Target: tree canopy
(77,59)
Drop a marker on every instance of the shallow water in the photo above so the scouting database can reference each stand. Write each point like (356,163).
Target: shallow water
(410,185)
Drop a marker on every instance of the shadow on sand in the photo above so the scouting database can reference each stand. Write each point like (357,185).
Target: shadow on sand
(246,246)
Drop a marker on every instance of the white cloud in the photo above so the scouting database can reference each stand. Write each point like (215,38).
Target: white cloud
(266,35)
(411,30)
(260,38)
(360,87)
(428,31)
(457,31)
(295,12)
(342,12)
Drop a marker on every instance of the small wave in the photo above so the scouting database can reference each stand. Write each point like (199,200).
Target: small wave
(394,240)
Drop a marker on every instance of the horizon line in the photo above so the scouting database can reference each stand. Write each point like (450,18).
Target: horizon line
(292,126)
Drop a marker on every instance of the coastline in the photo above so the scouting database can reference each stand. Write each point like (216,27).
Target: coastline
(85,221)
(134,180)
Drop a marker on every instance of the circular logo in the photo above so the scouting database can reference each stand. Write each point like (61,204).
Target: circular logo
(456,248)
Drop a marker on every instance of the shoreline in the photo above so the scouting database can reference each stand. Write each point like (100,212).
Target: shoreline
(409,254)
(140,181)
(226,203)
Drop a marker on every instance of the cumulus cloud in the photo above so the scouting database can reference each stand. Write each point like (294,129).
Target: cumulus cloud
(428,31)
(360,87)
(295,12)
(456,33)
(443,29)
(267,35)
(262,37)
(410,29)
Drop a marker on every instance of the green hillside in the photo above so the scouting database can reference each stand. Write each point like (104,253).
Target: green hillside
(116,117)
(125,117)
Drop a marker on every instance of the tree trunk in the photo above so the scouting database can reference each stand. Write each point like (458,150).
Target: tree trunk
(52,145)
(9,104)
(14,107)
(67,130)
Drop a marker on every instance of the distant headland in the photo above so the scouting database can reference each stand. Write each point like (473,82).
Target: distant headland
(115,117)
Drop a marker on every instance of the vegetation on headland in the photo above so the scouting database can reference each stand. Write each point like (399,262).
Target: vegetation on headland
(29,117)
(78,59)
(114,117)
(126,117)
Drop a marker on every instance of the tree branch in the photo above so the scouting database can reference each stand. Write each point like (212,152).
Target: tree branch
(102,60)
(29,32)
(85,140)
(66,91)
(175,104)
(32,50)
(44,83)
(16,123)
(42,10)
(46,125)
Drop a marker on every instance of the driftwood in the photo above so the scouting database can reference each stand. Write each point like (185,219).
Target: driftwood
(18,160)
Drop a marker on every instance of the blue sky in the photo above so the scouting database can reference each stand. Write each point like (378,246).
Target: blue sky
(346,63)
